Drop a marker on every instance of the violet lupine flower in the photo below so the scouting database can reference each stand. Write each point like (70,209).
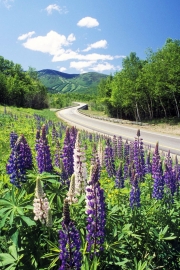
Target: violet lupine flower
(41,209)
(120,147)
(69,242)
(109,160)
(67,154)
(158,187)
(20,160)
(95,209)
(13,139)
(157,175)
(114,143)
(54,134)
(80,170)
(176,170)
(148,164)
(119,180)
(43,157)
(135,193)
(126,166)
(126,150)
(139,157)
(38,135)
(169,175)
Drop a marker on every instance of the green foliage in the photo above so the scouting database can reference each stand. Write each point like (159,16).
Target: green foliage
(58,82)
(146,238)
(145,90)
(19,88)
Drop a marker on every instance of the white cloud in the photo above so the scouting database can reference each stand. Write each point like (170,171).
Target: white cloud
(81,64)
(96,45)
(69,54)
(25,36)
(102,67)
(53,7)
(52,43)
(88,22)
(71,38)
(62,69)
(7,3)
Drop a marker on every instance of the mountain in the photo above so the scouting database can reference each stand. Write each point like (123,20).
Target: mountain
(59,82)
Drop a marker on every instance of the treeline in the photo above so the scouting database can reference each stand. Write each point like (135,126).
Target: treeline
(59,100)
(145,89)
(19,88)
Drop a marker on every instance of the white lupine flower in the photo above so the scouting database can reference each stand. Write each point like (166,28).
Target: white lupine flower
(71,193)
(80,170)
(41,204)
(100,153)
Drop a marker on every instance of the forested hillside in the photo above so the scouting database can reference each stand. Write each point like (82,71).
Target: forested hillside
(145,89)
(19,88)
(59,82)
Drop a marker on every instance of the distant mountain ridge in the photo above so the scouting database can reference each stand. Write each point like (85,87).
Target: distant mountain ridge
(60,82)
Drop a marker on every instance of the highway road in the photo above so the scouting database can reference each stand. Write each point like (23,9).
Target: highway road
(73,117)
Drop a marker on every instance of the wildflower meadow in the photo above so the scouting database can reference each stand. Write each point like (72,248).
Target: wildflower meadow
(70,199)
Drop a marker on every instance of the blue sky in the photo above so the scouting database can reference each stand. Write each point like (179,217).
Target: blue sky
(76,36)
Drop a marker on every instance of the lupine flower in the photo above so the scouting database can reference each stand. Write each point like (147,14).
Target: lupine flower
(13,139)
(169,175)
(119,180)
(114,143)
(139,157)
(69,242)
(71,195)
(158,187)
(20,160)
(126,150)
(80,171)
(67,152)
(109,160)
(135,193)
(37,139)
(100,153)
(157,175)
(41,210)
(120,147)
(95,209)
(44,160)
(148,164)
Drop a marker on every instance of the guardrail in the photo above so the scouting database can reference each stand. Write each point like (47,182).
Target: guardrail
(114,120)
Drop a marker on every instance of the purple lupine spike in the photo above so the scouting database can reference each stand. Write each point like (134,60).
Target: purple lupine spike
(109,160)
(120,147)
(126,149)
(114,143)
(158,187)
(139,157)
(13,139)
(135,193)
(148,164)
(54,133)
(69,242)
(131,152)
(169,175)
(20,160)
(176,170)
(43,157)
(119,180)
(67,153)
(37,139)
(126,166)
(95,209)
(26,154)
(57,154)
